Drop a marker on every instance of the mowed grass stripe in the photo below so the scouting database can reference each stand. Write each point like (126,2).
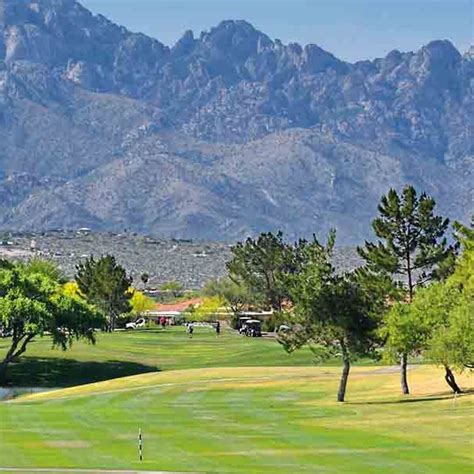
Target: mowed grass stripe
(245,420)
(200,379)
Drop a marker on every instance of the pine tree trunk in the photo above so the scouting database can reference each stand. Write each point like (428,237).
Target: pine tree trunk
(451,381)
(343,383)
(403,374)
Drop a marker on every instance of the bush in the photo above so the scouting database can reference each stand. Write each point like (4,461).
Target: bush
(273,322)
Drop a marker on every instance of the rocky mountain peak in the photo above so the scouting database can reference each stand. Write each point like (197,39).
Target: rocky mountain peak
(237,37)
(43,13)
(185,44)
(54,31)
(224,134)
(437,64)
(316,59)
(442,50)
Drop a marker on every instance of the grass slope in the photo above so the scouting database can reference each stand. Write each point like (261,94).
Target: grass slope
(246,420)
(130,353)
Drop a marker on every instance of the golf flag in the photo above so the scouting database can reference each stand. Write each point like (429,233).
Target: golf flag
(140,444)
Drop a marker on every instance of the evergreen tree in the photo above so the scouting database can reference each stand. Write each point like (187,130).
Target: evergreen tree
(106,285)
(262,265)
(336,315)
(45,267)
(412,248)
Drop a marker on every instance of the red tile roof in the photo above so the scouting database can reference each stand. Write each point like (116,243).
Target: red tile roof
(179,306)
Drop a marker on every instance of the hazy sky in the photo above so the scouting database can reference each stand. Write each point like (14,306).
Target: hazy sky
(351,29)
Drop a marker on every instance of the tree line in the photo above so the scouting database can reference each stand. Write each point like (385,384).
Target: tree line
(36,299)
(414,295)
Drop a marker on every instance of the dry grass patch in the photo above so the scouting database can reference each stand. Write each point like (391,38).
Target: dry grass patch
(68,444)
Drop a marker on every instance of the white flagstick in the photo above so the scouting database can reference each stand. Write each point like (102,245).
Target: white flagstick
(140,444)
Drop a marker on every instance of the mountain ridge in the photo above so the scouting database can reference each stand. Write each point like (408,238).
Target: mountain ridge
(89,112)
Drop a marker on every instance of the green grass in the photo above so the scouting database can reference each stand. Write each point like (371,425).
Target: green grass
(135,352)
(227,405)
(245,420)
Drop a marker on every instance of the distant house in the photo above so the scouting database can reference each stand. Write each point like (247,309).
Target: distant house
(172,311)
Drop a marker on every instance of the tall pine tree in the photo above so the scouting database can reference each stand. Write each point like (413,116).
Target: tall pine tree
(334,314)
(262,265)
(105,284)
(411,249)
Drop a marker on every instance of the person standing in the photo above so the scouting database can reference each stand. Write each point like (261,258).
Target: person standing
(218,328)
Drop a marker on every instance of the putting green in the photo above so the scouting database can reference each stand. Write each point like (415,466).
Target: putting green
(246,420)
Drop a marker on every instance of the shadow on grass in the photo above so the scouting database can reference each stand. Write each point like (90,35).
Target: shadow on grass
(54,372)
(430,398)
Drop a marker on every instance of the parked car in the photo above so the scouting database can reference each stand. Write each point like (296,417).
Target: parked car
(139,323)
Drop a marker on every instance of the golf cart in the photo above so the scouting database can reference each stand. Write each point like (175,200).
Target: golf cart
(138,324)
(253,328)
(241,324)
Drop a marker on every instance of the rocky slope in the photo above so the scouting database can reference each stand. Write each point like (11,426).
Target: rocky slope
(191,263)
(222,135)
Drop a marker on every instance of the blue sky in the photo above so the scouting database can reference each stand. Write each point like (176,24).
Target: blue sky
(351,29)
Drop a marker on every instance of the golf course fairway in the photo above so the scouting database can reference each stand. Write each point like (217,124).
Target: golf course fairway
(246,420)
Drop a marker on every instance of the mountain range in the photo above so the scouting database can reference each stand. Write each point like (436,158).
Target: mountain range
(222,135)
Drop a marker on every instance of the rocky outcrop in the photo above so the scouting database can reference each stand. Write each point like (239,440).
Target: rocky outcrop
(131,132)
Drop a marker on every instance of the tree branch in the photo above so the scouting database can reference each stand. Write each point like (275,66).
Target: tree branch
(25,342)
(15,341)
